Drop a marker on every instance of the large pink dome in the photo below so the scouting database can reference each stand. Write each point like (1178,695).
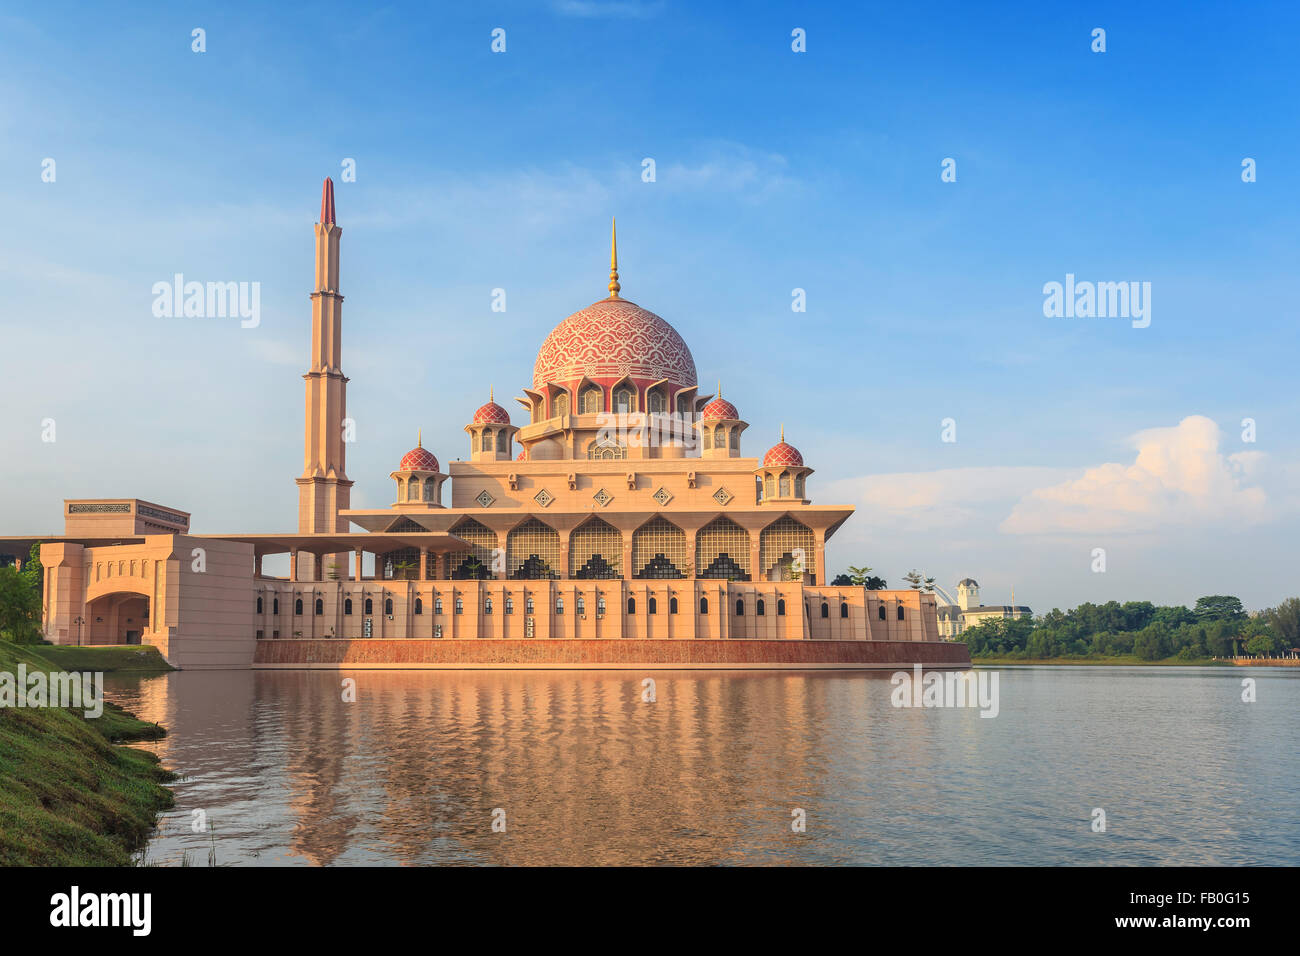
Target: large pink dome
(610,339)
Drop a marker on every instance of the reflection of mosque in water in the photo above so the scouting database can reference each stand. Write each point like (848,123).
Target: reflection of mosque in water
(584,769)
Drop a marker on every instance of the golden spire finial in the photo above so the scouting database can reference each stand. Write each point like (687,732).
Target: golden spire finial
(783,431)
(614,287)
(719,388)
(419,438)
(492,393)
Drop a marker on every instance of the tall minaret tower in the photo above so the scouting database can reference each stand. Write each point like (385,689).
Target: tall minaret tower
(324,488)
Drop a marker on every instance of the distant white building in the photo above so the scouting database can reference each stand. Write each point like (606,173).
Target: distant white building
(968,611)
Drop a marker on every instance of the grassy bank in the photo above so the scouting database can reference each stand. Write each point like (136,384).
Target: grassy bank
(1125,660)
(134,658)
(70,795)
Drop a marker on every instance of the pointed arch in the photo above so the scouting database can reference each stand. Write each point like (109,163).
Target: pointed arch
(779,547)
(722,550)
(476,560)
(533,551)
(658,550)
(595,550)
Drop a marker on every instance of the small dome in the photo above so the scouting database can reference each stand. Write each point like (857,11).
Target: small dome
(491,413)
(968,583)
(523,456)
(719,409)
(418,458)
(783,454)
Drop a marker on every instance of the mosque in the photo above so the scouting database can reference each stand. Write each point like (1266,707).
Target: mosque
(619,525)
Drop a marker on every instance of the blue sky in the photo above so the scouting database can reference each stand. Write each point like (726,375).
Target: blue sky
(775,170)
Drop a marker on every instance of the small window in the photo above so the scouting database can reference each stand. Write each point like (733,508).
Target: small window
(487,605)
(437,605)
(259,605)
(672,605)
(759,608)
(370,606)
(510,605)
(582,605)
(460,606)
(740,607)
(707,435)
(503,440)
(388,607)
(780,607)
(900,612)
(600,607)
(419,605)
(560,405)
(826,609)
(275,606)
(320,607)
(297,607)
(651,606)
(785,484)
(487,439)
(528,606)
(704,605)
(559,605)
(844,610)
(347,606)
(882,612)
(631,606)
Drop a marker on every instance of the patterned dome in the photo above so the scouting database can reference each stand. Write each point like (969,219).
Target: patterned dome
(491,414)
(418,458)
(718,409)
(523,456)
(783,454)
(610,339)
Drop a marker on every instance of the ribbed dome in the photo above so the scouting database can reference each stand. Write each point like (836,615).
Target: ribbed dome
(719,409)
(491,414)
(783,454)
(611,339)
(418,459)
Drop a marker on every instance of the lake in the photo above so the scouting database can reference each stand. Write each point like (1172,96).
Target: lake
(582,770)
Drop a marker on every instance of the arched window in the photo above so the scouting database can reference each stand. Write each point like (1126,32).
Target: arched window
(606,449)
(780,607)
(528,606)
(881,613)
(560,405)
(582,604)
(826,609)
(510,605)
(740,607)
(419,605)
(297,606)
(503,440)
(370,606)
(429,489)
(672,605)
(844,610)
(487,605)
(595,550)
(487,440)
(631,606)
(624,400)
(320,607)
(769,486)
(900,612)
(559,605)
(720,437)
(651,606)
(759,608)
(413,490)
(275,605)
(592,400)
(600,607)
(437,605)
(735,437)
(706,436)
(388,606)
(655,402)
(683,404)
(798,486)
(459,606)
(259,605)
(347,606)
(704,605)
(785,484)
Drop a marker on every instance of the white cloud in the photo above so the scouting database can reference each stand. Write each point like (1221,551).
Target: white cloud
(1179,478)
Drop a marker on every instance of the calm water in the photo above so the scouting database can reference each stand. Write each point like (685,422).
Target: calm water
(287,773)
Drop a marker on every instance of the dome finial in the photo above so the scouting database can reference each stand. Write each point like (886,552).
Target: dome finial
(614,287)
(783,431)
(419,438)
(719,388)
(492,393)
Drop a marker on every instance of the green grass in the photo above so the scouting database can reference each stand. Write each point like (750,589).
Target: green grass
(1126,660)
(136,658)
(70,794)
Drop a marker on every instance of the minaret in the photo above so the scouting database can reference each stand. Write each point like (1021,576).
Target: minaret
(324,488)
